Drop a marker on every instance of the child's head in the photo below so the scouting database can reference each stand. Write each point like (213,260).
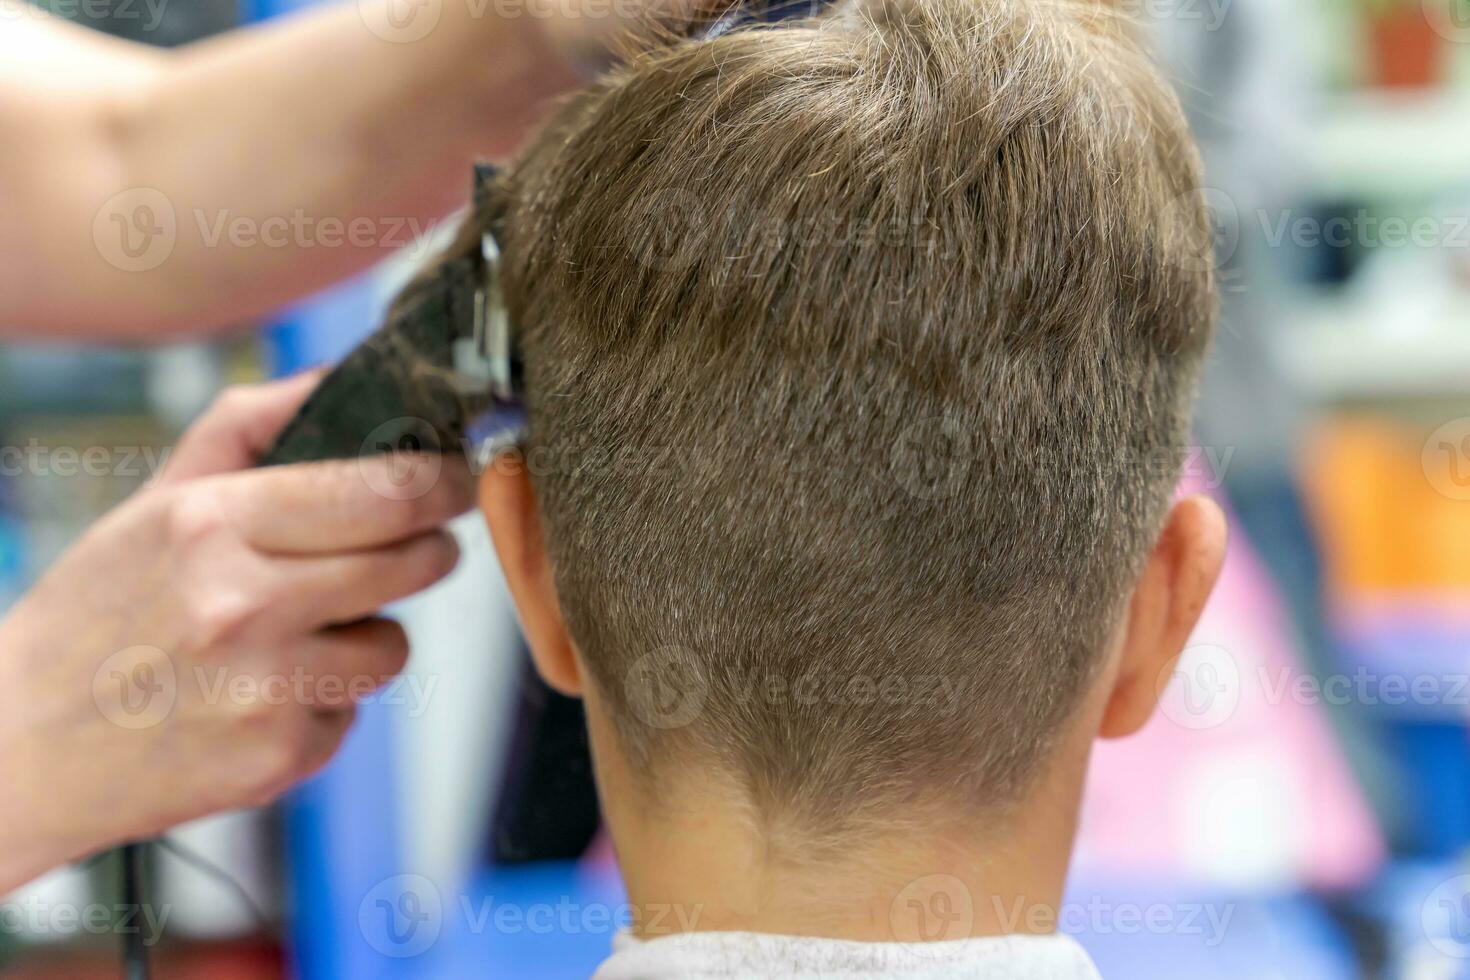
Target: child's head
(859,359)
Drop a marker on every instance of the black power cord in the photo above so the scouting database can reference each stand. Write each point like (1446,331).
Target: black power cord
(134,894)
(135,950)
(220,876)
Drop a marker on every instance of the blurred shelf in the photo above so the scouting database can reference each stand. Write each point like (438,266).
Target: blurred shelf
(1391,144)
(1341,349)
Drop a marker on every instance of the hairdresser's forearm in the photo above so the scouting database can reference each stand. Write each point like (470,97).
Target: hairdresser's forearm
(284,157)
(38,826)
(27,848)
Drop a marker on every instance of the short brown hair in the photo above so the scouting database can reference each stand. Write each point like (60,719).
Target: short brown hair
(859,355)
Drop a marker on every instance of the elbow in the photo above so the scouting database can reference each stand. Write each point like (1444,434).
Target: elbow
(121,120)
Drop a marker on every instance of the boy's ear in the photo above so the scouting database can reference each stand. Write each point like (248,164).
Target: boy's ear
(509,505)
(1177,579)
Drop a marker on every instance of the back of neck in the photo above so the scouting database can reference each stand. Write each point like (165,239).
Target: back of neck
(700,860)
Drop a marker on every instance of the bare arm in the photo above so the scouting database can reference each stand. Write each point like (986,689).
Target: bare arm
(146,193)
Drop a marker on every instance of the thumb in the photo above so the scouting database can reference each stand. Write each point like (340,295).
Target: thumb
(238,428)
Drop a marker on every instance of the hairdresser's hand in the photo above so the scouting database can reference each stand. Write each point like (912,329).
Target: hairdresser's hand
(200,648)
(587,32)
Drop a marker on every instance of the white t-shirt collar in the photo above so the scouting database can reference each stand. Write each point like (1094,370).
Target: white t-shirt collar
(741,955)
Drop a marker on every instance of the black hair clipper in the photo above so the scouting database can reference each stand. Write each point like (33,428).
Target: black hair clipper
(445,359)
